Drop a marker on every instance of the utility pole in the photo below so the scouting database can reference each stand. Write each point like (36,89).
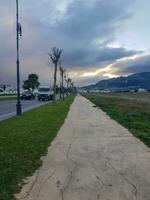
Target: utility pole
(18,33)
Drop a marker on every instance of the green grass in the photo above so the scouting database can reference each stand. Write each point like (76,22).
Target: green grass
(140,96)
(24,140)
(129,94)
(132,114)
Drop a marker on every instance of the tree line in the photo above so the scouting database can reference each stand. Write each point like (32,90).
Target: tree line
(33,80)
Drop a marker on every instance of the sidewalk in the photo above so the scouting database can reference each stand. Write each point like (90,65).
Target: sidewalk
(92,158)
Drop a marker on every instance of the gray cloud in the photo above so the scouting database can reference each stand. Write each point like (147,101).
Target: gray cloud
(95,56)
(136,65)
(73,25)
(84,22)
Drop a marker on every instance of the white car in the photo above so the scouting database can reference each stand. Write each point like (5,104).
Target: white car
(45,93)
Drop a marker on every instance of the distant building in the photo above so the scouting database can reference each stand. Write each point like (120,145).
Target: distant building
(142,90)
(4,86)
(7,89)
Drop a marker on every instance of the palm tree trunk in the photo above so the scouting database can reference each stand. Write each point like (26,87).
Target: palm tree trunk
(67,88)
(63,84)
(60,91)
(55,79)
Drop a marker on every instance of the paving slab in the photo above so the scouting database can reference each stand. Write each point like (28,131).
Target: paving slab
(92,158)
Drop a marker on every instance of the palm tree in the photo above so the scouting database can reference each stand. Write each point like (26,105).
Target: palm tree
(55,56)
(69,82)
(62,71)
(66,79)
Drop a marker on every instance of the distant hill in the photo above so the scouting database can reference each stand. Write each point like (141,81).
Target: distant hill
(135,81)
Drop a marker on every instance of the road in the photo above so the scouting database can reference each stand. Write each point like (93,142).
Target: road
(92,158)
(8,108)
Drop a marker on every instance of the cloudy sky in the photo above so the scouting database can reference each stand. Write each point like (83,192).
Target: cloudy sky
(100,38)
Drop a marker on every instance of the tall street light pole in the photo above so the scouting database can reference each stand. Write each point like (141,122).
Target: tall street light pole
(18,33)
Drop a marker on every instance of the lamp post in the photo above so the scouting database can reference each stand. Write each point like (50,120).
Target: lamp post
(18,33)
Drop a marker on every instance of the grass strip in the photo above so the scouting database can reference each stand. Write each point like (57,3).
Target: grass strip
(132,114)
(8,98)
(23,140)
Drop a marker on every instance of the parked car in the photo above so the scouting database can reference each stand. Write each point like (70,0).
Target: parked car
(1,91)
(45,93)
(27,95)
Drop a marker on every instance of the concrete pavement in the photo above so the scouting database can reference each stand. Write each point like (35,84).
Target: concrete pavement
(92,158)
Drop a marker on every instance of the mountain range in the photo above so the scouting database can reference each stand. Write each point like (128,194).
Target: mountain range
(134,81)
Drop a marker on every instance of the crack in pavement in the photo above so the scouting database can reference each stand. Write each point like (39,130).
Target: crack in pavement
(45,181)
(96,171)
(62,196)
(31,187)
(125,178)
(121,174)
(117,171)
(68,157)
(73,161)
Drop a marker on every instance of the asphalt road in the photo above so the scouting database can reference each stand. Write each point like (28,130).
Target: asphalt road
(8,108)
